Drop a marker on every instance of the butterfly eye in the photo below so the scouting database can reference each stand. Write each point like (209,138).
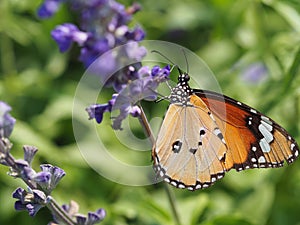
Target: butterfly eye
(186,77)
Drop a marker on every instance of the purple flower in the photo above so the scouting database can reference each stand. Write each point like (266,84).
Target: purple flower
(141,87)
(22,170)
(49,177)
(72,208)
(103,26)
(137,34)
(43,179)
(92,218)
(255,72)
(32,201)
(66,34)
(48,8)
(29,153)
(7,122)
(96,111)
(134,51)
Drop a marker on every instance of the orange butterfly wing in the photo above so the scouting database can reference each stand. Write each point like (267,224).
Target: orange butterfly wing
(253,139)
(200,141)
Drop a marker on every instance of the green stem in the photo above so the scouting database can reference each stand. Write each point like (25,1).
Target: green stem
(286,86)
(172,204)
(145,124)
(148,131)
(7,55)
(59,213)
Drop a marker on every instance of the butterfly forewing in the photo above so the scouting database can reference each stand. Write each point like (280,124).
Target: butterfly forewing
(191,155)
(253,139)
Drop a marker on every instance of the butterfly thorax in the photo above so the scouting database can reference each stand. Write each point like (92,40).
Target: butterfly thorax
(180,94)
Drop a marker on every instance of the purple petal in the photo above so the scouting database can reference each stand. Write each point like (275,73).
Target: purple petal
(96,111)
(144,71)
(101,213)
(50,176)
(135,111)
(255,72)
(92,50)
(93,218)
(137,34)
(42,177)
(81,219)
(23,169)
(155,70)
(18,193)
(7,122)
(134,51)
(72,208)
(46,168)
(39,196)
(65,35)
(48,8)
(20,206)
(29,153)
(57,175)
(33,208)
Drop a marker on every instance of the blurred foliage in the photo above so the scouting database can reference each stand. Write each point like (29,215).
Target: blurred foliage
(39,83)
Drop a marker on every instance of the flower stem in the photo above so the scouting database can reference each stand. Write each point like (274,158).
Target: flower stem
(172,204)
(5,147)
(145,124)
(148,131)
(58,212)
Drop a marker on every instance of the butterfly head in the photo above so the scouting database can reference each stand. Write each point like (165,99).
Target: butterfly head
(183,77)
(180,94)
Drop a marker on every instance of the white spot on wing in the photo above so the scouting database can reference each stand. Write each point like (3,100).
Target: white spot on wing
(198,186)
(264,145)
(261,159)
(181,186)
(220,176)
(292,146)
(167,179)
(264,130)
(267,125)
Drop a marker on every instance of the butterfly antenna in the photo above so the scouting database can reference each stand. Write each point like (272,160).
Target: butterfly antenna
(174,65)
(161,97)
(162,55)
(186,61)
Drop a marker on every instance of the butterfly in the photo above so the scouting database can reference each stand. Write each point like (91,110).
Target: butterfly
(205,134)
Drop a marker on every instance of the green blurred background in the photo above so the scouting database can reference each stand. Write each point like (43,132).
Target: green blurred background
(39,83)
